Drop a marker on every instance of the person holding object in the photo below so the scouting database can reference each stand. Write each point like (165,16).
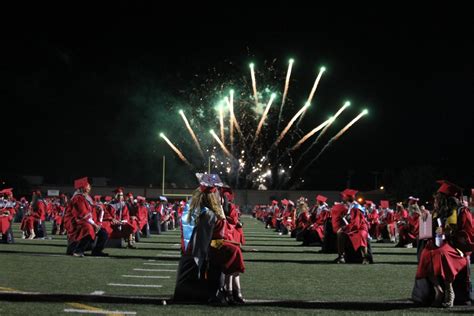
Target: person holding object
(444,262)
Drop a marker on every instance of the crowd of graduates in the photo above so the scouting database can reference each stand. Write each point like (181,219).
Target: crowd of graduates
(444,236)
(211,231)
(311,224)
(119,215)
(342,228)
(212,234)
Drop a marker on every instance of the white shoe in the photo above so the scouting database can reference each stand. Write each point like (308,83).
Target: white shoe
(280,233)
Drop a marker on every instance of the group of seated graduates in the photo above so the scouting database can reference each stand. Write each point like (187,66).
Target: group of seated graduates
(347,227)
(115,218)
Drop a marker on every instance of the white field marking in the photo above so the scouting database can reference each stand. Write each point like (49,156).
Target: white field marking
(154,270)
(99,312)
(151,260)
(314,301)
(160,264)
(42,255)
(133,285)
(93,257)
(98,293)
(175,252)
(146,276)
(169,255)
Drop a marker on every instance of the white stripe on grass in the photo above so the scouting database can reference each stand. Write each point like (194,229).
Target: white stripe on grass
(99,312)
(133,285)
(98,293)
(168,255)
(153,270)
(160,264)
(145,276)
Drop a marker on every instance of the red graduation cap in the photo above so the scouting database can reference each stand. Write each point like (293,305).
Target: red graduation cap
(81,183)
(140,198)
(108,198)
(448,188)
(349,193)
(321,198)
(7,191)
(274,202)
(384,204)
(284,202)
(118,190)
(368,202)
(97,198)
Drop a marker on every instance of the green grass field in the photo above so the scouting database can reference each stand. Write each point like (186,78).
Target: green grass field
(281,277)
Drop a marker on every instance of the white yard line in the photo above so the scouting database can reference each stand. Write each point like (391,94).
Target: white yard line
(160,264)
(133,285)
(99,312)
(98,293)
(146,276)
(168,255)
(153,270)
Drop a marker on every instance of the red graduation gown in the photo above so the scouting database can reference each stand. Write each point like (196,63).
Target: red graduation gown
(229,256)
(357,229)
(78,226)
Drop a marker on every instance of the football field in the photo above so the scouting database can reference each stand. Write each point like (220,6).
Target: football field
(281,277)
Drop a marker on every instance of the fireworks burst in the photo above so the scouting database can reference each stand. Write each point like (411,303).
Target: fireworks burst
(256,158)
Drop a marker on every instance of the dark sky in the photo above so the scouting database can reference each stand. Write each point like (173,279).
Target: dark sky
(68,79)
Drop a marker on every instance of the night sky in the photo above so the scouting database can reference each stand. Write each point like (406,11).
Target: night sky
(70,84)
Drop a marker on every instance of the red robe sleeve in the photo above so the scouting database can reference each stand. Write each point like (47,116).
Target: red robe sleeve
(337,212)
